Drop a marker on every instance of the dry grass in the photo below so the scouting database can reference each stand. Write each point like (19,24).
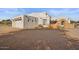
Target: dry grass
(5,29)
(73,37)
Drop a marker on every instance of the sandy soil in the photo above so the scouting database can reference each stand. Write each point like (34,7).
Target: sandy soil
(5,29)
(35,40)
(73,37)
(73,33)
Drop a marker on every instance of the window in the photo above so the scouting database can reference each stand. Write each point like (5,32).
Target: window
(35,20)
(32,20)
(28,20)
(40,18)
(44,21)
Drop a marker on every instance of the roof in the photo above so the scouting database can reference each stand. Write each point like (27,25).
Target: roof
(39,14)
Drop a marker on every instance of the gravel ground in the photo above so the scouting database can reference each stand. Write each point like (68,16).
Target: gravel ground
(35,40)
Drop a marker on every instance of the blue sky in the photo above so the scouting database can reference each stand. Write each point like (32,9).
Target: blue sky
(72,13)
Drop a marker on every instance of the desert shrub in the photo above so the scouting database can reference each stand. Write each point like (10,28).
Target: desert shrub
(36,28)
(40,26)
(50,27)
(60,27)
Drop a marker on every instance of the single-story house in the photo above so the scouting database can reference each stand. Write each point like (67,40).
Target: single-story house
(31,21)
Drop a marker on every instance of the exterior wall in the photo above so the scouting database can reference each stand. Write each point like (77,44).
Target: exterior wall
(41,22)
(17,23)
(30,22)
(41,17)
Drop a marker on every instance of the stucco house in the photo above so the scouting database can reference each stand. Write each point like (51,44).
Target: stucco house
(31,21)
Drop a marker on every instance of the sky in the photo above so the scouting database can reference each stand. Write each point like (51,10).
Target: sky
(72,13)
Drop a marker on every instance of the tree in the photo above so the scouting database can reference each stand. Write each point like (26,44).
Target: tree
(8,21)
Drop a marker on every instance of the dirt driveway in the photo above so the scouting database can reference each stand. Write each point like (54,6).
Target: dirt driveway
(34,40)
(73,36)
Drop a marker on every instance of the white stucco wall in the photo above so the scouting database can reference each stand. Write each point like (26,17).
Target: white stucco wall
(41,16)
(17,24)
(33,22)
